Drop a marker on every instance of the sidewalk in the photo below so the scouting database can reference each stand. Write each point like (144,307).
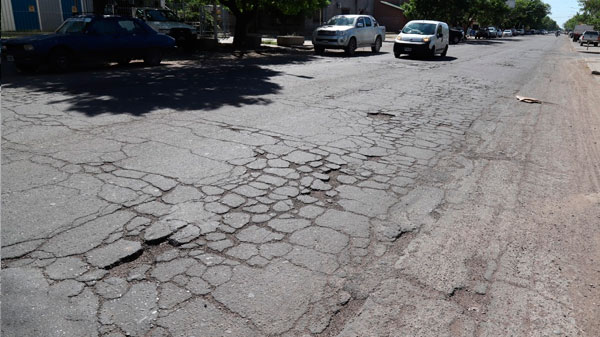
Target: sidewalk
(591,56)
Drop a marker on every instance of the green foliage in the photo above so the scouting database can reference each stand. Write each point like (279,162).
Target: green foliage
(549,24)
(192,10)
(574,21)
(527,13)
(290,7)
(591,12)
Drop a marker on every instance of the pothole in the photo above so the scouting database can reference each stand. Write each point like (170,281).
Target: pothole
(380,115)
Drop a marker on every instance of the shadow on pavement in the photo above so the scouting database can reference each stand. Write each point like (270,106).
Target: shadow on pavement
(358,53)
(200,84)
(428,59)
(483,42)
(596,52)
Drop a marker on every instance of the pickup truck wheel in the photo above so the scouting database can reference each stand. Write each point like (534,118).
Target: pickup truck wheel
(60,60)
(123,61)
(377,45)
(456,40)
(397,55)
(443,54)
(319,50)
(153,57)
(351,48)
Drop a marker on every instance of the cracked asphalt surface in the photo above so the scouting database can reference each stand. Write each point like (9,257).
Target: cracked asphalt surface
(294,195)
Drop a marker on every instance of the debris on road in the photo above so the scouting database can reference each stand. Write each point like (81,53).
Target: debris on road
(528,100)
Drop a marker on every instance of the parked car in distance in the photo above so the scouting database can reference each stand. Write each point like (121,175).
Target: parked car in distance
(492,32)
(349,32)
(89,39)
(521,31)
(482,33)
(423,37)
(589,37)
(456,35)
(167,22)
(507,33)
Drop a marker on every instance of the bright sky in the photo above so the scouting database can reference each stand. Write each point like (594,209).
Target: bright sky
(562,10)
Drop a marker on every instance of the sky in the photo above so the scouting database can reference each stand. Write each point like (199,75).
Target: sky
(562,10)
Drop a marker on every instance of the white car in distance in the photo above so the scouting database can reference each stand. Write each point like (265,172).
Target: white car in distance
(507,33)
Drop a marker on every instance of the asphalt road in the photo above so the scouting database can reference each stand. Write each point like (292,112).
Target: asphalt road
(296,195)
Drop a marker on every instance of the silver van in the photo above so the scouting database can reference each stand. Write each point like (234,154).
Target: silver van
(423,37)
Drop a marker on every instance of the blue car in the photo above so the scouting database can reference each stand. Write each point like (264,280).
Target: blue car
(89,39)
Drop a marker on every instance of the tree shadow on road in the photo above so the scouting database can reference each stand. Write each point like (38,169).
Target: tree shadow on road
(197,84)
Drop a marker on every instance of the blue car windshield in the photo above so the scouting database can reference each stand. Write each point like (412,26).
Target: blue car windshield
(73,26)
(419,28)
(340,21)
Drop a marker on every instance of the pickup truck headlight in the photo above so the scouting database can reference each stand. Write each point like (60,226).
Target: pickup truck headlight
(426,39)
(399,37)
(340,33)
(28,47)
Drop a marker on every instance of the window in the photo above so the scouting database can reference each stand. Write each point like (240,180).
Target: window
(419,28)
(439,30)
(367,22)
(105,27)
(139,14)
(131,26)
(72,26)
(360,20)
(340,21)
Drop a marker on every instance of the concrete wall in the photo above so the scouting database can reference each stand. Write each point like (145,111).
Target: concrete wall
(8,20)
(50,15)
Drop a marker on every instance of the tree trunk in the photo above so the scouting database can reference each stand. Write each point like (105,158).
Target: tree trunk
(99,6)
(242,21)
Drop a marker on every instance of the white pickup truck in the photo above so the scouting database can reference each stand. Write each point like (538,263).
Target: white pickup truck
(349,32)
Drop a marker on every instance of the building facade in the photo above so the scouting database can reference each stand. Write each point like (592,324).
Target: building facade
(42,15)
(387,13)
(47,15)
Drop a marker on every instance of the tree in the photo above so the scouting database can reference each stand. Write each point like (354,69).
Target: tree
(575,20)
(591,12)
(549,24)
(529,13)
(245,11)
(458,12)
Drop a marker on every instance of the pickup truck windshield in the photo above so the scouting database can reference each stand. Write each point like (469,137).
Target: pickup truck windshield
(161,15)
(419,28)
(340,21)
